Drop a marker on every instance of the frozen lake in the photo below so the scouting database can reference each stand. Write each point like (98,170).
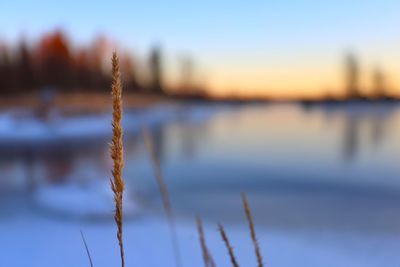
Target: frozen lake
(323,181)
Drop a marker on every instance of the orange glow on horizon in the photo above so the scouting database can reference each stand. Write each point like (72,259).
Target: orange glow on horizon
(293,82)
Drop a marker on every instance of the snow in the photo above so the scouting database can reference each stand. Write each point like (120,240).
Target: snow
(89,200)
(27,129)
(33,240)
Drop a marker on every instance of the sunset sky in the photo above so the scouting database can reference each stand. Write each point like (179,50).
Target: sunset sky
(285,48)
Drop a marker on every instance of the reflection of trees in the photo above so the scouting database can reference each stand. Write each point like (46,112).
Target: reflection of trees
(188,136)
(378,129)
(158,139)
(351,138)
(191,136)
(53,162)
(376,119)
(159,142)
(359,120)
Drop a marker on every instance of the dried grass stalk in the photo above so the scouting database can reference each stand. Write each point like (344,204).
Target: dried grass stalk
(164,194)
(87,249)
(252,231)
(116,149)
(228,245)
(208,260)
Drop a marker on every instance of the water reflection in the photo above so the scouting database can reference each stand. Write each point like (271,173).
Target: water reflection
(360,120)
(258,136)
(285,153)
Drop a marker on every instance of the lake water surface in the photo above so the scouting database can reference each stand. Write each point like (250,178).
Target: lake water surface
(328,167)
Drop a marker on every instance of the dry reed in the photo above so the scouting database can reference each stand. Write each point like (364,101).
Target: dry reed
(228,245)
(87,249)
(116,149)
(118,186)
(208,260)
(252,231)
(164,194)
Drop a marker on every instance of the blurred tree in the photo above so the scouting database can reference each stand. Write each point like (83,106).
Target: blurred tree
(100,77)
(378,80)
(129,73)
(52,62)
(55,61)
(83,70)
(156,70)
(25,69)
(190,79)
(187,75)
(6,71)
(352,76)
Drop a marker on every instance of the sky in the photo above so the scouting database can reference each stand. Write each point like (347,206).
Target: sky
(285,48)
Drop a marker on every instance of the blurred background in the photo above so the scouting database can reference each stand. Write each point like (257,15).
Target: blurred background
(294,103)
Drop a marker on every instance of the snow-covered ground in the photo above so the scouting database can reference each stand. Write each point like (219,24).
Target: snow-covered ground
(17,129)
(38,241)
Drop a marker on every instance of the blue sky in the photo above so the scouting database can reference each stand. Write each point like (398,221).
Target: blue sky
(252,45)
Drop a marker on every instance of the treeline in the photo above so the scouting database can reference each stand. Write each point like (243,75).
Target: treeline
(54,62)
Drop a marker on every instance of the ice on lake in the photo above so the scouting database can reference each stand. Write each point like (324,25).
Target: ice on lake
(323,183)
